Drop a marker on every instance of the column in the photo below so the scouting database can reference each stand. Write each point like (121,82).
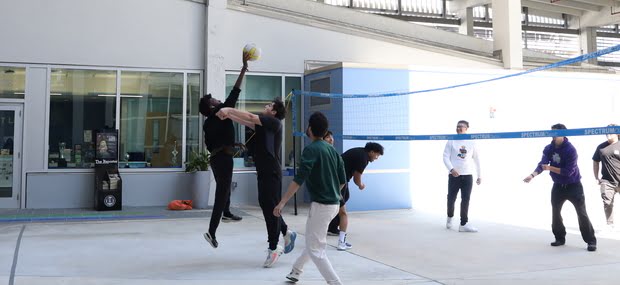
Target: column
(507,32)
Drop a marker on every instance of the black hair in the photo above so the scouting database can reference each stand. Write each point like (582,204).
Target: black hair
(373,146)
(327,134)
(204,106)
(318,124)
(558,127)
(466,123)
(278,106)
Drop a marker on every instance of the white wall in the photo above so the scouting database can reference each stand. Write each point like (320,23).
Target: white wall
(126,33)
(524,103)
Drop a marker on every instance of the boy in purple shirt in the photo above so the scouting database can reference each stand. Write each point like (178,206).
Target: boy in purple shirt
(560,158)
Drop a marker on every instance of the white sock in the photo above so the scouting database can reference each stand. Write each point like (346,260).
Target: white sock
(343,236)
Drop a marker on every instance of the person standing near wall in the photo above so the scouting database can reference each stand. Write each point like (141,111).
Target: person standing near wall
(322,169)
(608,153)
(268,146)
(355,162)
(560,158)
(460,158)
(329,138)
(220,139)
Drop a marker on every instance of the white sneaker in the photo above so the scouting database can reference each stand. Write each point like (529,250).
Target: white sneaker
(449,223)
(293,276)
(344,245)
(468,229)
(289,241)
(272,256)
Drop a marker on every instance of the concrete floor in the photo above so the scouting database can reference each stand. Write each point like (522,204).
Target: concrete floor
(389,247)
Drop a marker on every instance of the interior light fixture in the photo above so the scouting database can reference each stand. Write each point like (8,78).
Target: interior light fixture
(56,94)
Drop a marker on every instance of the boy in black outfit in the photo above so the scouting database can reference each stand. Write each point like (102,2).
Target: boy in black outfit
(220,139)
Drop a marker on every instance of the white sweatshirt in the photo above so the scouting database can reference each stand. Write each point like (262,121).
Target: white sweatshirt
(462,156)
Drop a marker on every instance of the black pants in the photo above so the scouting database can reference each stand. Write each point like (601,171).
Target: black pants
(335,223)
(573,193)
(463,183)
(222,165)
(269,195)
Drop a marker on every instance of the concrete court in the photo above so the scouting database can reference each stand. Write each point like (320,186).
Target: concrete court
(389,247)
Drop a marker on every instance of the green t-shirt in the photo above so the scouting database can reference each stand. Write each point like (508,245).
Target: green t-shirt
(322,169)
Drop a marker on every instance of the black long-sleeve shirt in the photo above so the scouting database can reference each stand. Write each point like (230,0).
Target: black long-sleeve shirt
(219,133)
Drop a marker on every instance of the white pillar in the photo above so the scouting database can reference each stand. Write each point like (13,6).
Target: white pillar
(588,42)
(507,32)
(467,21)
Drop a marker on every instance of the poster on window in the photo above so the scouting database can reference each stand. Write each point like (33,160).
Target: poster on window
(107,147)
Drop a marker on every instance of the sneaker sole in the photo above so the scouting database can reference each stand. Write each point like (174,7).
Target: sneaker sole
(209,240)
(292,279)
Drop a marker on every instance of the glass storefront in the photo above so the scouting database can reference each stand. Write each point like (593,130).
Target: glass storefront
(81,102)
(150,118)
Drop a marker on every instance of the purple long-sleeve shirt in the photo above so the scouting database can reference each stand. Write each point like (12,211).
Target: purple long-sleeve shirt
(563,157)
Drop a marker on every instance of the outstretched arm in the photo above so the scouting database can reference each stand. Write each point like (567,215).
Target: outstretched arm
(231,101)
(242,117)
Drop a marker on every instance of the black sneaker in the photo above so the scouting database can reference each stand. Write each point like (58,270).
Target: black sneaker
(592,247)
(212,241)
(332,232)
(231,218)
(559,242)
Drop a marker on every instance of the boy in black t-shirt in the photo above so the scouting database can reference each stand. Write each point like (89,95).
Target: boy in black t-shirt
(267,148)
(355,162)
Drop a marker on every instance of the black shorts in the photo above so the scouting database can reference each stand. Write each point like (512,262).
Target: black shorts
(344,194)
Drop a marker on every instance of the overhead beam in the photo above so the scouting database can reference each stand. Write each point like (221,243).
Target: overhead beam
(599,2)
(598,19)
(575,5)
(460,5)
(550,7)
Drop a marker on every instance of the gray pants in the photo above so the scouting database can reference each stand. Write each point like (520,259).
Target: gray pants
(608,192)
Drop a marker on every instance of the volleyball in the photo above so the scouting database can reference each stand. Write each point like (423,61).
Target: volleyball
(253,51)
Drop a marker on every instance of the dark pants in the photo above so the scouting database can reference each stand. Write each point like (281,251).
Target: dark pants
(269,195)
(463,183)
(222,165)
(573,193)
(344,194)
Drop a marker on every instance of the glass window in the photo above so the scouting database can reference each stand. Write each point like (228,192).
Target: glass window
(194,124)
(81,102)
(256,92)
(151,119)
(12,82)
(291,83)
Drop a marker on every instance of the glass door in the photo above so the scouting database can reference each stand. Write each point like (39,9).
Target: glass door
(10,155)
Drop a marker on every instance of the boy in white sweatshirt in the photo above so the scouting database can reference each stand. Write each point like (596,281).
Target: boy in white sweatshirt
(461,158)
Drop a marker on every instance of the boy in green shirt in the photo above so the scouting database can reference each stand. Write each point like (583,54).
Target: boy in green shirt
(322,169)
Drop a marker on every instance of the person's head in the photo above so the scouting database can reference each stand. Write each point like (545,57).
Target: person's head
(558,140)
(374,150)
(329,137)
(317,126)
(276,109)
(103,146)
(462,126)
(206,105)
(612,138)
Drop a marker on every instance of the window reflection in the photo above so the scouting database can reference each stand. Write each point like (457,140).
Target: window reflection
(151,119)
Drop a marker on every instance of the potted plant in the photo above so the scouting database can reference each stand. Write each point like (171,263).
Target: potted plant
(198,166)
